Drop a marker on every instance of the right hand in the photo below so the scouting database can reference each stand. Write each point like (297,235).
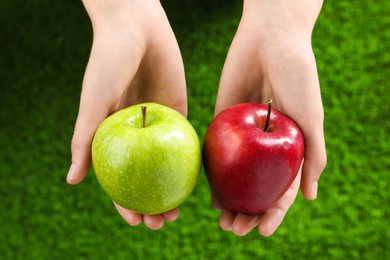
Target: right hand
(134,58)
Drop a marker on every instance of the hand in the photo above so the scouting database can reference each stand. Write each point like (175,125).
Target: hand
(135,58)
(271,57)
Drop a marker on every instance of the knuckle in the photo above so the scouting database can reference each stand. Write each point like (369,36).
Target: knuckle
(78,143)
(322,163)
(322,158)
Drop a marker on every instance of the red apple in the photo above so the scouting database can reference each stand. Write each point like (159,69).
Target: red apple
(251,155)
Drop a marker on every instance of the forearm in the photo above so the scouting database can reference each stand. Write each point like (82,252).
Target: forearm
(297,17)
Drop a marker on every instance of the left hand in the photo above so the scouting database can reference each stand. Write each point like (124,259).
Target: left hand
(272,57)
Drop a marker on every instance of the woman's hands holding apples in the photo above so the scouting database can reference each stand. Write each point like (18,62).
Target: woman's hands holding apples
(134,58)
(271,57)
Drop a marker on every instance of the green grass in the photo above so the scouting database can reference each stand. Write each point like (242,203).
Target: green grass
(44,50)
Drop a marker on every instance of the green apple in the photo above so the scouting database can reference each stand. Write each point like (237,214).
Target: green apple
(147,158)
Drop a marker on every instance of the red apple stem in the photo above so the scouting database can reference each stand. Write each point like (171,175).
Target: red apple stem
(269,103)
(143,109)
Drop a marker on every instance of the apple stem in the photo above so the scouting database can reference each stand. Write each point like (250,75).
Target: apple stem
(269,103)
(143,109)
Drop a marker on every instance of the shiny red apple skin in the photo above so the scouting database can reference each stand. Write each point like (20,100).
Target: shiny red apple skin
(248,169)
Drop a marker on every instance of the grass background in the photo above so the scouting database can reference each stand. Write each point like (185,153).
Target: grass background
(44,49)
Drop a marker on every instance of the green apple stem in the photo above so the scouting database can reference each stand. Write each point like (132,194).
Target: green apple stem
(269,103)
(143,109)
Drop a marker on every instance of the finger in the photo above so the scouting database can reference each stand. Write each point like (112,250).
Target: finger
(103,83)
(308,114)
(314,162)
(226,219)
(243,224)
(154,222)
(86,124)
(131,217)
(273,217)
(270,221)
(171,215)
(91,114)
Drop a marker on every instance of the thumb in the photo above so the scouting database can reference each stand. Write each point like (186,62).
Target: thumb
(109,72)
(93,110)
(314,162)
(87,122)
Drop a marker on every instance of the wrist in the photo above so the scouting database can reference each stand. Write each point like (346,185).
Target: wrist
(107,13)
(291,17)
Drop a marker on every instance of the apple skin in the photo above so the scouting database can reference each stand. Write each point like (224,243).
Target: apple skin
(149,169)
(248,169)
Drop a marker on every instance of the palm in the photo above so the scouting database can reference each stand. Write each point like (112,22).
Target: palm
(132,65)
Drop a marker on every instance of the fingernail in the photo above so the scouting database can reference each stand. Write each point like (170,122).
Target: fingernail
(71,173)
(313,190)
